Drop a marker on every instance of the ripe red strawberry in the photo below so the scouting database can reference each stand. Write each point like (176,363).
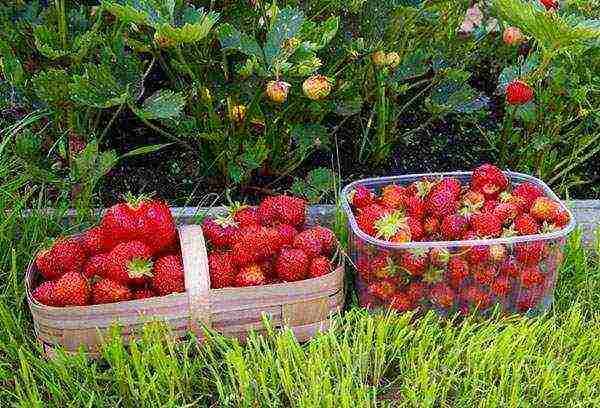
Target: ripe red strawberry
(245,216)
(129,263)
(143,293)
(441,204)
(383,290)
(393,196)
(282,209)
(252,247)
(526,225)
(69,255)
(414,262)
(72,289)
(417,291)
(287,233)
(486,225)
(45,293)
(361,197)
(544,209)
(510,269)
(477,297)
(497,253)
(382,266)
(489,180)
(46,265)
(488,206)
(233,234)
(319,266)
(415,206)
(309,242)
(529,253)
(529,192)
(501,286)
(368,217)
(519,92)
(95,266)
(470,235)
(327,237)
(528,299)
(484,274)
(550,4)
(531,276)
(158,229)
(292,265)
(214,233)
(401,302)
(450,184)
(453,227)
(121,221)
(221,270)
(458,271)
(561,218)
(250,275)
(108,291)
(168,275)
(95,241)
(416,229)
(478,254)
(506,212)
(443,296)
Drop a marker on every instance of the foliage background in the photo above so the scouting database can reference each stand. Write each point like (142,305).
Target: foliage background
(143,91)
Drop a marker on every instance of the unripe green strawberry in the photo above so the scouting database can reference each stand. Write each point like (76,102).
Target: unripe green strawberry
(72,289)
(278,91)
(237,113)
(392,59)
(317,87)
(107,291)
(168,275)
(379,58)
(513,36)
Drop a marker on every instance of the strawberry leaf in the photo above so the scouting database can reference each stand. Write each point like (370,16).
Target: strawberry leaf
(163,104)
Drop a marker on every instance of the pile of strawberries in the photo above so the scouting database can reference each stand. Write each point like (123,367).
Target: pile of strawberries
(133,254)
(461,277)
(267,244)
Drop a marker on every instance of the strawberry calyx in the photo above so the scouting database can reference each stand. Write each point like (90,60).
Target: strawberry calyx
(138,267)
(389,225)
(433,275)
(135,202)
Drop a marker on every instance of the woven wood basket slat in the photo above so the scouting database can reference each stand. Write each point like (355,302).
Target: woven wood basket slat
(304,307)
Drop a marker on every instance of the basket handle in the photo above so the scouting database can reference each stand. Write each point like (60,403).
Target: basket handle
(197,280)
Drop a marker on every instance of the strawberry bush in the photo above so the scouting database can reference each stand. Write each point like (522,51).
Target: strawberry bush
(255,94)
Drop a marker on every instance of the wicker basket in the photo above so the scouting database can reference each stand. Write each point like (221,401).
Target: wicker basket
(303,306)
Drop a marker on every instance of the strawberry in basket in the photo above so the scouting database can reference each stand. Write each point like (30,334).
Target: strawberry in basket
(131,254)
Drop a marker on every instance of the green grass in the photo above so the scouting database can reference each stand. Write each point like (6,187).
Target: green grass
(362,361)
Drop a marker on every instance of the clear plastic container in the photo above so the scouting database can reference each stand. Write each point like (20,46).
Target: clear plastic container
(521,279)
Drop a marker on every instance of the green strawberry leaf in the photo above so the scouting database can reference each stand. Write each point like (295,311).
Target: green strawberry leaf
(231,38)
(98,88)
(193,26)
(415,64)
(526,112)
(310,137)
(10,65)
(287,25)
(52,86)
(163,104)
(144,150)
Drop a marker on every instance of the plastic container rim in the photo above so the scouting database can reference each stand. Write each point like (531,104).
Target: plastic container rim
(439,244)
